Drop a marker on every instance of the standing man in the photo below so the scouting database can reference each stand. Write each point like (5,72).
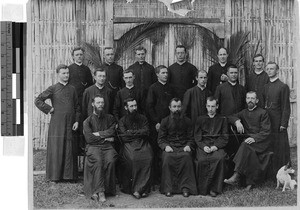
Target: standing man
(182,73)
(254,127)
(81,78)
(136,153)
(98,88)
(143,71)
(217,72)
(194,100)
(257,79)
(159,96)
(99,168)
(175,138)
(65,113)
(129,91)
(277,104)
(211,138)
(114,72)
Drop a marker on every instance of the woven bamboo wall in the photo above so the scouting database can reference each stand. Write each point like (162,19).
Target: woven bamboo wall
(56,26)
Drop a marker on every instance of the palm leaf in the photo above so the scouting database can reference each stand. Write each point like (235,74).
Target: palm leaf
(92,57)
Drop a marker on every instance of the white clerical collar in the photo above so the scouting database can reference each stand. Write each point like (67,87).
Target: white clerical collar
(98,86)
(222,64)
(252,108)
(63,83)
(109,63)
(211,116)
(163,83)
(273,79)
(180,63)
(79,64)
(259,72)
(129,87)
(202,88)
(233,84)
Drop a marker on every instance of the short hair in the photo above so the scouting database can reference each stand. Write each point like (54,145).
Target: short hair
(212,98)
(97,96)
(273,62)
(222,48)
(180,46)
(251,92)
(140,48)
(128,71)
(259,55)
(201,71)
(99,70)
(174,99)
(61,66)
(128,100)
(231,66)
(77,48)
(108,48)
(160,67)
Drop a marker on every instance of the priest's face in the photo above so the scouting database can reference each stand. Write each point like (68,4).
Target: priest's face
(140,55)
(180,54)
(272,70)
(222,55)
(232,74)
(128,78)
(131,107)
(258,62)
(109,55)
(78,56)
(98,105)
(211,107)
(100,77)
(63,75)
(251,100)
(175,107)
(163,75)
(202,79)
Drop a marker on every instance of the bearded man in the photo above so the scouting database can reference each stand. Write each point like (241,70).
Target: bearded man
(254,126)
(136,153)
(99,168)
(175,138)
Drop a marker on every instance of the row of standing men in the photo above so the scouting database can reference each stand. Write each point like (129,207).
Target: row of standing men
(153,89)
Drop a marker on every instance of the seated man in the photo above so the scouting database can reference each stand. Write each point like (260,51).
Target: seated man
(211,138)
(136,153)
(176,140)
(254,126)
(99,168)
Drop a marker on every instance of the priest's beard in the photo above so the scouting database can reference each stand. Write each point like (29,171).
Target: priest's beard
(250,105)
(99,112)
(176,114)
(177,121)
(132,115)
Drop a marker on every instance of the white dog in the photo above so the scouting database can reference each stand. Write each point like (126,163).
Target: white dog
(285,179)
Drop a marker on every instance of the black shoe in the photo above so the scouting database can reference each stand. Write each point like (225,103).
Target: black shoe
(144,195)
(212,194)
(169,194)
(136,195)
(186,194)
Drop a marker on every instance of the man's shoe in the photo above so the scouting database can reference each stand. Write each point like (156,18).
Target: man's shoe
(137,195)
(212,194)
(144,195)
(95,197)
(185,193)
(249,187)
(169,194)
(101,197)
(233,180)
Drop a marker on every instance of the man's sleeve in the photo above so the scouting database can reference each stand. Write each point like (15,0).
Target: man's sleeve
(117,106)
(186,104)
(85,103)
(151,101)
(163,134)
(285,106)
(198,134)
(90,138)
(89,77)
(40,100)
(77,107)
(265,129)
(222,140)
(209,79)
(110,131)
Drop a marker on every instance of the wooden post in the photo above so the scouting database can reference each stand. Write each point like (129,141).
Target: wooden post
(227,22)
(109,24)
(78,17)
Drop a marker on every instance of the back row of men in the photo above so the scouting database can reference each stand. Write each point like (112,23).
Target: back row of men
(151,90)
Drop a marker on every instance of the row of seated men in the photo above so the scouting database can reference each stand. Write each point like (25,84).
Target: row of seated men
(153,95)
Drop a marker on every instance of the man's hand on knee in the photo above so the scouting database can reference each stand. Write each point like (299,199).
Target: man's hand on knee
(168,149)
(249,140)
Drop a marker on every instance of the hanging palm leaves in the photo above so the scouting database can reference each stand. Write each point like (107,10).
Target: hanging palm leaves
(92,57)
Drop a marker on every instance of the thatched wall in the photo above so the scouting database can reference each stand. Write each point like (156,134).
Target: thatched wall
(55,27)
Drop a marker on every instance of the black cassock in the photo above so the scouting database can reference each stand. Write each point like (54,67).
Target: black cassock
(214,76)
(101,157)
(123,94)
(136,154)
(194,102)
(89,93)
(256,82)
(277,104)
(61,145)
(114,76)
(177,166)
(182,77)
(210,167)
(251,160)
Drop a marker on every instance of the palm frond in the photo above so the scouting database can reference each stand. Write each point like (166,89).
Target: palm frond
(92,57)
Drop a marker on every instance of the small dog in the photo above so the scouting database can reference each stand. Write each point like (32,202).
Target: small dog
(284,178)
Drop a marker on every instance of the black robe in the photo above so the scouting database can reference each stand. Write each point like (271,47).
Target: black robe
(136,154)
(256,82)
(118,108)
(194,102)
(232,98)
(89,93)
(61,146)
(277,104)
(251,159)
(182,77)
(214,76)
(210,167)
(177,166)
(101,157)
